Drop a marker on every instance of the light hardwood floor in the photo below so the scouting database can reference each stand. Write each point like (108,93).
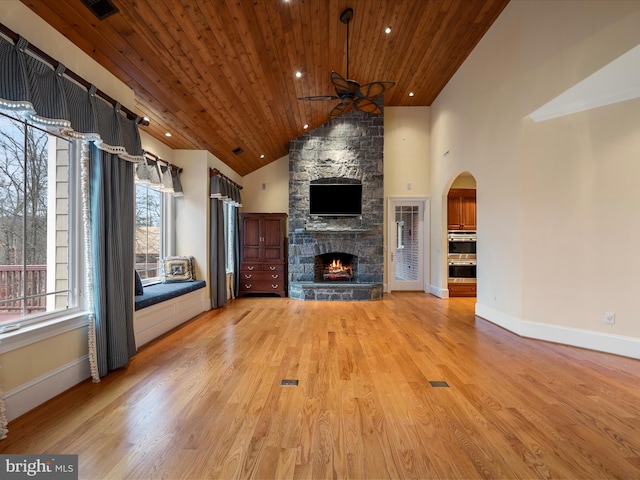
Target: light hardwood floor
(206,401)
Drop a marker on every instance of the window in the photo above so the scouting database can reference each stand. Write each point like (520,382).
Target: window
(229,231)
(149,234)
(38,224)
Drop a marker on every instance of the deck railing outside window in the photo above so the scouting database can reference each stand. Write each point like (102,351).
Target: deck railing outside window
(14,302)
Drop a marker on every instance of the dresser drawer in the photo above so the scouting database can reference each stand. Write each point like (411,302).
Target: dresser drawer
(273,267)
(261,276)
(262,286)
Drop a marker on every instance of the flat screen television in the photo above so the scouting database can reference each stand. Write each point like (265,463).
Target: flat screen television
(335,199)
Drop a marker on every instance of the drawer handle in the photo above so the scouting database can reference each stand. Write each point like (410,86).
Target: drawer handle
(275,276)
(275,286)
(247,286)
(247,276)
(272,268)
(249,268)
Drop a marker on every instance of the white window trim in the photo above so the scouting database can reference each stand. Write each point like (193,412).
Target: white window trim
(37,332)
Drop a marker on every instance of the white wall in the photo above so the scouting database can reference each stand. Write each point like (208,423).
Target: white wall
(406,163)
(267,189)
(552,196)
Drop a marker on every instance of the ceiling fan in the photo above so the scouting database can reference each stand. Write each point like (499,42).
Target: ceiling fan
(349,92)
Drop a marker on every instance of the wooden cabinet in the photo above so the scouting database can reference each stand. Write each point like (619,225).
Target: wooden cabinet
(462,290)
(461,209)
(263,254)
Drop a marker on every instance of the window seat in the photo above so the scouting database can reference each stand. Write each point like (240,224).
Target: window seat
(160,292)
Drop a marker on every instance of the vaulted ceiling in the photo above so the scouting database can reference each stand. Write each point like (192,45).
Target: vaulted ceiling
(220,74)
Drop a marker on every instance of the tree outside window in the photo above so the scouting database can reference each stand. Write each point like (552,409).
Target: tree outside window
(34,221)
(148,245)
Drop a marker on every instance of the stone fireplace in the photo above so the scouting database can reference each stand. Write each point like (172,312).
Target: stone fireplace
(348,148)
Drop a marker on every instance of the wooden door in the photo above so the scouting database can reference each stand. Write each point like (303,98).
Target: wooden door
(273,239)
(454,222)
(468,209)
(251,245)
(461,209)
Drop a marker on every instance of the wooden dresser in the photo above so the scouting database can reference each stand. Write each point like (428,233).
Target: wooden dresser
(263,254)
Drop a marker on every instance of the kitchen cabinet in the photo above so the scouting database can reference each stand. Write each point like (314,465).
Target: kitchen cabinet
(462,290)
(461,209)
(263,257)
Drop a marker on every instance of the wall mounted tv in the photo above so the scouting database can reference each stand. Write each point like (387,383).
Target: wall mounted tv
(335,199)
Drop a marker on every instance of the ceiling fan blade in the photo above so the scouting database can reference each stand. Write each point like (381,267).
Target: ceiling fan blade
(367,106)
(374,90)
(319,97)
(343,85)
(339,109)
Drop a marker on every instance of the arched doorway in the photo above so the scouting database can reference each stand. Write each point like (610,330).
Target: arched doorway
(462,236)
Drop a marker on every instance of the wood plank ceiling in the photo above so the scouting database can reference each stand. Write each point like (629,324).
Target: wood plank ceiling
(220,74)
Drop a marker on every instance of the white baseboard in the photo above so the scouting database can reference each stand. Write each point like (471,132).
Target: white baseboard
(31,394)
(439,292)
(601,342)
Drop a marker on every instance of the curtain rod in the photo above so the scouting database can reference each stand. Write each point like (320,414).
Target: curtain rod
(158,159)
(215,171)
(54,63)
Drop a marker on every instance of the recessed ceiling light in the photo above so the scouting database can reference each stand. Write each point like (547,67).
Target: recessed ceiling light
(262,156)
(168,134)
(387,30)
(411,94)
(298,74)
(306,125)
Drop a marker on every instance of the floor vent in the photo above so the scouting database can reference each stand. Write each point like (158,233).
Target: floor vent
(288,383)
(101,8)
(439,384)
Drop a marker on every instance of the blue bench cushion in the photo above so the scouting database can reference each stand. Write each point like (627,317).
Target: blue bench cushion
(159,292)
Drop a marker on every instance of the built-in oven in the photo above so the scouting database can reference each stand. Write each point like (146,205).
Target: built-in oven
(462,242)
(461,256)
(462,270)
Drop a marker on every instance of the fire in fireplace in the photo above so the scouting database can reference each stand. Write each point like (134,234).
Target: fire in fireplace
(334,267)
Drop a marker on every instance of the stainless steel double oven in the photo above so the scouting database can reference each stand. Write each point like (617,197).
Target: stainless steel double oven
(461,256)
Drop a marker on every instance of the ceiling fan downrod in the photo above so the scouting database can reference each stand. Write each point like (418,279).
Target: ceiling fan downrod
(346,17)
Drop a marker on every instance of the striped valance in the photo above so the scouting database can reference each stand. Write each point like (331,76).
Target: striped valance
(46,97)
(224,189)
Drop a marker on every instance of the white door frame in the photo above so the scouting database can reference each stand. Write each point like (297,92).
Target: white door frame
(426,233)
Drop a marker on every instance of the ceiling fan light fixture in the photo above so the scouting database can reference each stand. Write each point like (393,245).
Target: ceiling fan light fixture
(347,99)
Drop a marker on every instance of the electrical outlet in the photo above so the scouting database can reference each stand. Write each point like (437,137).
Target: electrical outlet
(609,317)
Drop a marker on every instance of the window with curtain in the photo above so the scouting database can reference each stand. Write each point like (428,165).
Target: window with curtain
(149,233)
(229,231)
(39,224)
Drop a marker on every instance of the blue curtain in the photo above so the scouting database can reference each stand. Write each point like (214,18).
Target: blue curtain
(46,97)
(236,248)
(217,264)
(111,193)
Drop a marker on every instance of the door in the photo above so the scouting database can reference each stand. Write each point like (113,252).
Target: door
(251,236)
(407,244)
(273,239)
